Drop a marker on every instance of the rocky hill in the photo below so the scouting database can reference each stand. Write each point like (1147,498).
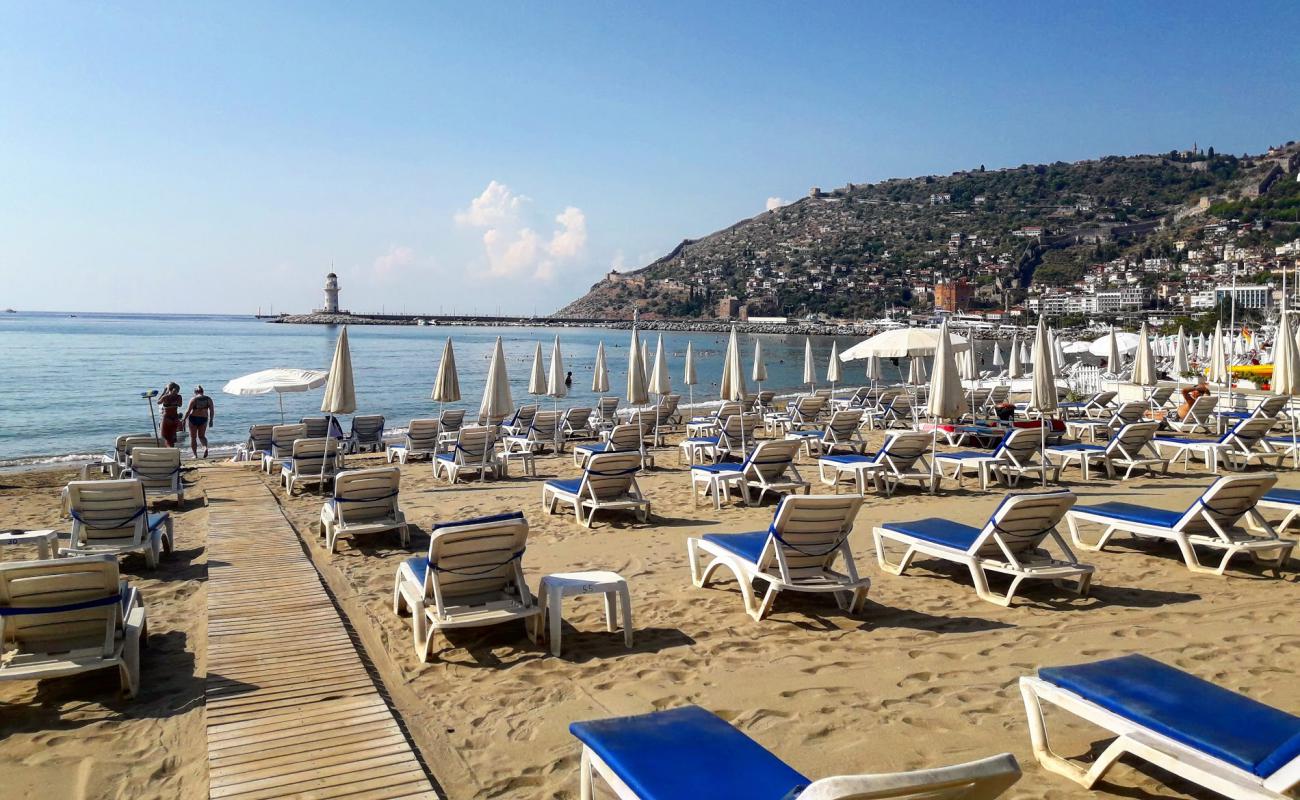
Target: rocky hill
(853,251)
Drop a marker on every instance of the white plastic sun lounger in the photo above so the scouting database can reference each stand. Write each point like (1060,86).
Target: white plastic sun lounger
(366,434)
(1126,414)
(689,752)
(544,432)
(1130,448)
(576,424)
(421,439)
(112,517)
(282,439)
(520,420)
(735,437)
(1197,730)
(839,433)
(1100,404)
(257,443)
(312,461)
(1268,408)
(1200,416)
(364,502)
(471,451)
(1211,522)
(796,553)
(66,616)
(1287,500)
(608,482)
(702,426)
(622,439)
(159,470)
(768,468)
(116,460)
(473,576)
(1010,543)
(901,458)
(1244,444)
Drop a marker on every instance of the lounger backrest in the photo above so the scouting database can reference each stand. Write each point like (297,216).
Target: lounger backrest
(740,425)
(625,438)
(104,511)
(903,449)
(1248,433)
(765,398)
(475,558)
(608,476)
(473,444)
(310,455)
(1132,439)
(665,409)
(283,437)
(148,440)
(368,427)
(49,584)
(1227,499)
(607,407)
(452,419)
(1021,522)
(576,418)
(1102,399)
(1202,407)
(810,406)
(644,420)
(900,405)
(1160,395)
(259,438)
(119,444)
(317,427)
(543,427)
(844,424)
(1272,406)
(979,397)
(999,394)
(1128,412)
(728,408)
(366,495)
(807,532)
(771,459)
(156,467)
(1021,444)
(422,434)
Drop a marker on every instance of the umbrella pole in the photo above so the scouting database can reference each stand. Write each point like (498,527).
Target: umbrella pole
(280,396)
(152,418)
(934,445)
(1042,452)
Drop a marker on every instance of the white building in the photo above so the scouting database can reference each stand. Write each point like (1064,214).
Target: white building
(1247,296)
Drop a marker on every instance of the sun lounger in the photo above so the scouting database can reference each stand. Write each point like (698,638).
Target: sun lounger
(734,438)
(112,517)
(1211,521)
(366,435)
(471,451)
(1010,461)
(764,403)
(901,458)
(1099,405)
(450,422)
(839,433)
(705,425)
(768,468)
(1268,408)
(66,616)
(606,414)
(894,412)
(519,422)
(1126,414)
(421,439)
(257,443)
(282,439)
(542,433)
(1010,543)
(608,482)
(1199,417)
(692,753)
(576,424)
(115,460)
(1194,729)
(364,502)
(802,413)
(622,439)
(1159,397)
(159,470)
(1131,449)
(317,427)
(311,461)
(1241,446)
(473,576)
(796,553)
(1287,500)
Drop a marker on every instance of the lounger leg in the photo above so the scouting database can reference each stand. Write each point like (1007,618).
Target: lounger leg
(766,605)
(585,789)
(129,669)
(883,559)
(1058,764)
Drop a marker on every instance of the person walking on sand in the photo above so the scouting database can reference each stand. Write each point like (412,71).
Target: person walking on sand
(201,413)
(170,404)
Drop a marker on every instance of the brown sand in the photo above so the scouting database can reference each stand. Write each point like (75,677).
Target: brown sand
(925,677)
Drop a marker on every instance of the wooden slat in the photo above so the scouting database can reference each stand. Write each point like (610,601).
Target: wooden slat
(291,709)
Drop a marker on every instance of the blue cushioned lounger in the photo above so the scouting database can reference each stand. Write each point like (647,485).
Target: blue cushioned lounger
(1214,737)
(1287,500)
(688,752)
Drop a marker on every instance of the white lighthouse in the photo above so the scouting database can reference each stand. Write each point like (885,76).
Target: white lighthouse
(331,294)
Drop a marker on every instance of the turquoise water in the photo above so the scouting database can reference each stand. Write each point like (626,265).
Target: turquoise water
(70,384)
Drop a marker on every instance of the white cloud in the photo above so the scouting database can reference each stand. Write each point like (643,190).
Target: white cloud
(511,246)
(397,257)
(774,203)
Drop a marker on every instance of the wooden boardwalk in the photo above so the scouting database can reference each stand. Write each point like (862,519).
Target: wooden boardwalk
(291,708)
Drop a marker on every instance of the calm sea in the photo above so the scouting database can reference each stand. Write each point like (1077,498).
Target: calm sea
(70,383)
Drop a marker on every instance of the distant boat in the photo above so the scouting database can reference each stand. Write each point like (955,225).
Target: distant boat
(10,311)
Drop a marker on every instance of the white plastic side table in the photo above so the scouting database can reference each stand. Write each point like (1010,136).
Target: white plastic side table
(570,584)
(47,541)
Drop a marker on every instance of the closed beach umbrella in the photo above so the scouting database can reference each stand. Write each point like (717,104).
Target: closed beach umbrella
(600,375)
(833,367)
(809,370)
(340,394)
(1058,355)
(555,385)
(760,369)
(997,356)
(1180,363)
(1286,365)
(1112,353)
(661,383)
(645,361)
(280,380)
(916,371)
(1144,364)
(1218,366)
(1042,390)
(537,378)
(873,368)
(497,402)
(1025,358)
(1013,365)
(446,387)
(733,377)
(688,373)
(636,379)
(947,401)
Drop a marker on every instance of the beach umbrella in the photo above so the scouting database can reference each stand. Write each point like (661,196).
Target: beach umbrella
(916,371)
(902,343)
(1286,367)
(946,401)
(968,371)
(997,356)
(600,375)
(1180,363)
(645,361)
(446,387)
(688,373)
(660,382)
(1112,352)
(537,378)
(1013,365)
(1042,389)
(280,380)
(556,388)
(1025,358)
(733,378)
(636,377)
(1218,361)
(760,369)
(497,402)
(833,367)
(1144,364)
(340,393)
(809,369)
(1058,355)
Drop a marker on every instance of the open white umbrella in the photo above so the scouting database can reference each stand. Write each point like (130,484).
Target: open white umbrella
(636,378)
(809,368)
(280,380)
(833,367)
(1144,364)
(1042,389)
(1286,366)
(446,387)
(497,402)
(537,377)
(760,369)
(902,343)
(600,375)
(688,373)
(733,378)
(947,401)
(340,393)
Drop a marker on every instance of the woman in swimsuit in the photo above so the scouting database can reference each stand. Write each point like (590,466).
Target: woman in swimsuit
(201,414)
(170,403)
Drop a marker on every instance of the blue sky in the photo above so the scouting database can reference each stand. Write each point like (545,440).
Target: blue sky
(485,156)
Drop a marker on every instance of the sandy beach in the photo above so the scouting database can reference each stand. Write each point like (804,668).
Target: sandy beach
(924,677)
